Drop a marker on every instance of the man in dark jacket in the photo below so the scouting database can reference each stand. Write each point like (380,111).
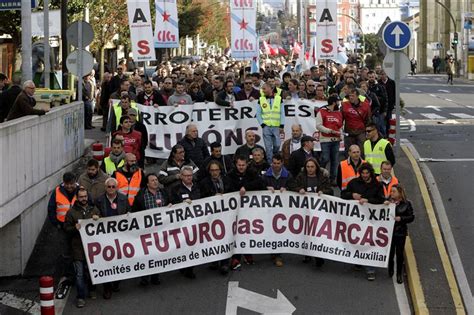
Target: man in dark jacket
(276,178)
(366,189)
(61,200)
(248,146)
(389,86)
(104,104)
(8,97)
(242,179)
(81,210)
(149,96)
(24,103)
(110,204)
(185,191)
(150,197)
(299,157)
(194,147)
(216,155)
(248,92)
(227,96)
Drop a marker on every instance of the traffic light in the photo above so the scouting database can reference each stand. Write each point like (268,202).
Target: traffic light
(454,43)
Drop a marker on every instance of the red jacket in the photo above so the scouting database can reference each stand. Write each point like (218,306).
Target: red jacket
(356,117)
(332,120)
(133,140)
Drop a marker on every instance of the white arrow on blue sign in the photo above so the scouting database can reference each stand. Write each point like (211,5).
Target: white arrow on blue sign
(396,35)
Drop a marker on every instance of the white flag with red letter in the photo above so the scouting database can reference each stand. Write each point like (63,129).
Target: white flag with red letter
(326,25)
(166,24)
(141,31)
(244,39)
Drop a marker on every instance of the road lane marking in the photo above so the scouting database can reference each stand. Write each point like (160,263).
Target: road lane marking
(432,116)
(444,160)
(412,154)
(240,297)
(408,111)
(408,88)
(436,108)
(412,125)
(418,91)
(402,297)
(433,95)
(22,304)
(447,99)
(462,115)
(414,281)
(444,91)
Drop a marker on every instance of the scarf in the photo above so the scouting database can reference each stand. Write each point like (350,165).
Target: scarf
(117,158)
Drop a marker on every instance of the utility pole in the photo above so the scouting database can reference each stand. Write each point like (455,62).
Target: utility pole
(64,45)
(26,66)
(455,32)
(47,60)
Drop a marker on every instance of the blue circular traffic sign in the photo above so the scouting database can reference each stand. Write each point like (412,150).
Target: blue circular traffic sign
(396,35)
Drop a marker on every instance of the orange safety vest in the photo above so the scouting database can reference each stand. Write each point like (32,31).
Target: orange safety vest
(62,205)
(131,188)
(388,188)
(348,173)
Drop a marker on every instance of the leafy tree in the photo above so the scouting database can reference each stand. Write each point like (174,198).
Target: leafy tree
(372,47)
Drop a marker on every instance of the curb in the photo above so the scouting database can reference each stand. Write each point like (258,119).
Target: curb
(414,279)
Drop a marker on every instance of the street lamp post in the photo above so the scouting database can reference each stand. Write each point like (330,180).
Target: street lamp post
(361,31)
(455,28)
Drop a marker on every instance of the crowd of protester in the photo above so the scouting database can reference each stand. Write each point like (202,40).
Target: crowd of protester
(359,102)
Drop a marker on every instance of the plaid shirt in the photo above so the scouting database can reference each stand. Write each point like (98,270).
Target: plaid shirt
(151,200)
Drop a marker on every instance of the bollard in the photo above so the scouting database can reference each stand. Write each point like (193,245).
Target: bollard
(47,295)
(393,129)
(98,151)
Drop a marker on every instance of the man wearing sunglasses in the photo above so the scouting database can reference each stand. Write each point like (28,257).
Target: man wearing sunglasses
(376,148)
(248,92)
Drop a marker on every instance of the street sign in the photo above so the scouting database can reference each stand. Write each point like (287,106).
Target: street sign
(7,5)
(87,62)
(72,34)
(389,64)
(396,35)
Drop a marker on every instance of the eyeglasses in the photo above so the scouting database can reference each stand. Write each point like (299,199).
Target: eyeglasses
(168,82)
(248,83)
(111,186)
(311,85)
(322,80)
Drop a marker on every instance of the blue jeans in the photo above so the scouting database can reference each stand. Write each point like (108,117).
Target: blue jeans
(271,139)
(83,282)
(329,153)
(379,120)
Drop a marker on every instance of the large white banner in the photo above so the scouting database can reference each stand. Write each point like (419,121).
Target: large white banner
(215,228)
(244,39)
(166,24)
(326,29)
(141,31)
(166,125)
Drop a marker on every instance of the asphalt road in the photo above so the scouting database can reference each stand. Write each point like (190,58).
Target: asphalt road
(442,124)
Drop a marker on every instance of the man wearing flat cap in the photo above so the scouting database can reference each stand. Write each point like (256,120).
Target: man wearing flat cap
(299,157)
